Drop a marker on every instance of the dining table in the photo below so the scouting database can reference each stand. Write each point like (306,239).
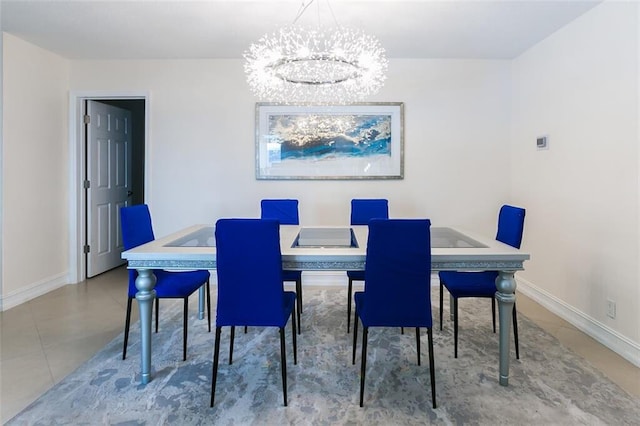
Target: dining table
(452,249)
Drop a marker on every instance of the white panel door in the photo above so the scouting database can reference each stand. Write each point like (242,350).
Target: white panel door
(109,183)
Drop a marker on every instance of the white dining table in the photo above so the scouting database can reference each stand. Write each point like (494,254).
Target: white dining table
(451,250)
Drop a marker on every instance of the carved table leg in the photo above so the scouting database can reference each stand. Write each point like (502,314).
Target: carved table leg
(506,286)
(145,282)
(201,296)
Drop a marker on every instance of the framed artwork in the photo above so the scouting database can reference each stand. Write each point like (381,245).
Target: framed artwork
(356,141)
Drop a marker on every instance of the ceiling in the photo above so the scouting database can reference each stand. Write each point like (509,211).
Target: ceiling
(147,29)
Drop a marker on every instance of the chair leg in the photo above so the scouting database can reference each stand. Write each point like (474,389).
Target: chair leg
(127,323)
(401,330)
(295,343)
(214,375)
(283,362)
(209,305)
(493,313)
(441,304)
(245,329)
(363,366)
(185,323)
(432,367)
(299,294)
(157,312)
(515,331)
(349,297)
(418,343)
(355,336)
(455,327)
(298,311)
(233,335)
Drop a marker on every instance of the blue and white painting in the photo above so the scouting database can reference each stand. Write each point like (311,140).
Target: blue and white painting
(319,137)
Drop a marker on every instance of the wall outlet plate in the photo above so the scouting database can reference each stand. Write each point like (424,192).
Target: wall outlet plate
(611,309)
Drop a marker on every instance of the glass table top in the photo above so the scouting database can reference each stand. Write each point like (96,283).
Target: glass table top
(203,237)
(440,238)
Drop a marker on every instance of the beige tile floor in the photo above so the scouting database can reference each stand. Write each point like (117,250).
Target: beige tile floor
(47,338)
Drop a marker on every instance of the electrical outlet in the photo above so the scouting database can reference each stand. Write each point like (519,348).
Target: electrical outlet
(611,308)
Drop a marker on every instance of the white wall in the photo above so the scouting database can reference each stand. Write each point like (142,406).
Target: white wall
(34,174)
(580,86)
(201,149)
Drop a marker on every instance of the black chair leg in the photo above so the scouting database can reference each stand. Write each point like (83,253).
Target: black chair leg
(209,305)
(245,329)
(493,313)
(185,321)
(349,297)
(127,323)
(299,294)
(283,362)
(295,342)
(298,311)
(363,367)
(233,335)
(355,336)
(515,331)
(455,327)
(157,312)
(418,343)
(214,375)
(432,367)
(441,304)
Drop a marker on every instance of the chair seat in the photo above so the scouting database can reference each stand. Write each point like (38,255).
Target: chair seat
(356,275)
(393,317)
(231,318)
(176,285)
(179,284)
(291,275)
(469,284)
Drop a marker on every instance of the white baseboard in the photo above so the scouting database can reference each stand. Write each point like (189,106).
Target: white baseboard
(622,345)
(32,291)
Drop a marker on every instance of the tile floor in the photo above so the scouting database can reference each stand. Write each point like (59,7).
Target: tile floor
(47,338)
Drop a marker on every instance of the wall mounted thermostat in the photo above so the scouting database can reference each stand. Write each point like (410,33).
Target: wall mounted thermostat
(542,142)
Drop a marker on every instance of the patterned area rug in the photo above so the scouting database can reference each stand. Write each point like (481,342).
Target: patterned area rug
(549,385)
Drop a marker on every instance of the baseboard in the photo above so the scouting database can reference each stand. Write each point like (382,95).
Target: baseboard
(32,291)
(610,338)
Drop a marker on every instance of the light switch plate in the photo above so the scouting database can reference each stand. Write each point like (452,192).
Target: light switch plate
(542,142)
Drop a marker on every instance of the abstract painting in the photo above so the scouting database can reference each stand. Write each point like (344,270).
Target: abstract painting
(358,141)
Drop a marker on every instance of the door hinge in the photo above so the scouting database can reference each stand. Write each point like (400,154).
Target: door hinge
(87,119)
(86,184)
(87,249)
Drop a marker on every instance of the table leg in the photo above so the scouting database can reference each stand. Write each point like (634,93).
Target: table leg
(506,286)
(145,282)
(201,296)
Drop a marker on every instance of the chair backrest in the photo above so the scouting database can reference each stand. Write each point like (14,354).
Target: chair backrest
(136,226)
(137,229)
(284,210)
(249,268)
(398,273)
(363,210)
(510,225)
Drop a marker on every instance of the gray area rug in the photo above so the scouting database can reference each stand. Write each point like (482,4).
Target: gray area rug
(549,384)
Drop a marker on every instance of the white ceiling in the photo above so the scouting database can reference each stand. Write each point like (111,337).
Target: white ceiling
(89,29)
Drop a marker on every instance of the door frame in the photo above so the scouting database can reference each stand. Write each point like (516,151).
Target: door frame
(77,169)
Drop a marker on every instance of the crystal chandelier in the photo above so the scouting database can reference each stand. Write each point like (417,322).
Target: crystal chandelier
(332,65)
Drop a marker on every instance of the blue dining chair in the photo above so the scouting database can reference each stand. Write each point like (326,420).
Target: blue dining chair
(137,230)
(362,211)
(286,212)
(483,284)
(397,290)
(250,286)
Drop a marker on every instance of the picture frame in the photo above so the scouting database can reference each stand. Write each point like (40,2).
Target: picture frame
(354,141)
